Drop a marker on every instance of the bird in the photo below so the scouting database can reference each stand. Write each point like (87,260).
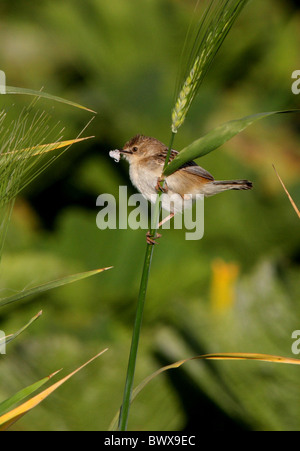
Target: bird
(146,156)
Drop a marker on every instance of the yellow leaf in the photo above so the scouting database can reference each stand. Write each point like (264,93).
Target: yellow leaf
(11,417)
(48,147)
(220,356)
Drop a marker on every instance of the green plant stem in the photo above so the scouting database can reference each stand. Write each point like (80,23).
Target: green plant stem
(124,412)
(123,419)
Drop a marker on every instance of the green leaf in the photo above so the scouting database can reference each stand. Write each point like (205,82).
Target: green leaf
(45,95)
(49,286)
(216,138)
(24,393)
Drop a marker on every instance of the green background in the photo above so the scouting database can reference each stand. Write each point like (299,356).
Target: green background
(236,290)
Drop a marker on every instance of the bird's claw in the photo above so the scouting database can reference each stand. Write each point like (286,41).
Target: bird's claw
(159,187)
(151,239)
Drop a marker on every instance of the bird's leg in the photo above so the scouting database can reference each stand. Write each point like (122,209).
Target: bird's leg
(151,239)
(166,219)
(161,185)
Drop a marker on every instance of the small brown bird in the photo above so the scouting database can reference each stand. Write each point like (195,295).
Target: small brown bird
(146,157)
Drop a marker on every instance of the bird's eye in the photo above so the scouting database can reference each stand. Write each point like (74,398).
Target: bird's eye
(134,149)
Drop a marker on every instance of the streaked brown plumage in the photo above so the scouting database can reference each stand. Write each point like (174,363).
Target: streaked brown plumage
(146,157)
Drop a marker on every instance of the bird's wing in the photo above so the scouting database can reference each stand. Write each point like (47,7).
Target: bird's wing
(190,167)
(188,179)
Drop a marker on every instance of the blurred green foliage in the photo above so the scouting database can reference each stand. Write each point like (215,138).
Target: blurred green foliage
(121,58)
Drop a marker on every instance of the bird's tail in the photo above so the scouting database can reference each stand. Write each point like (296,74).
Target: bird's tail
(224,185)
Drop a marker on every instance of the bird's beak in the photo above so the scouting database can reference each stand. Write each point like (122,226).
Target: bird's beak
(122,151)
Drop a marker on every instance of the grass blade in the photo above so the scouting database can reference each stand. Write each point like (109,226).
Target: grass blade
(50,285)
(41,149)
(220,356)
(288,194)
(11,337)
(45,95)
(216,138)
(11,417)
(24,393)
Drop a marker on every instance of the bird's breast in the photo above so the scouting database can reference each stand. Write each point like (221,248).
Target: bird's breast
(143,179)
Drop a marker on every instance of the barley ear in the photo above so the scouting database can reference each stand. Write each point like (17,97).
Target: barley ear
(204,40)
